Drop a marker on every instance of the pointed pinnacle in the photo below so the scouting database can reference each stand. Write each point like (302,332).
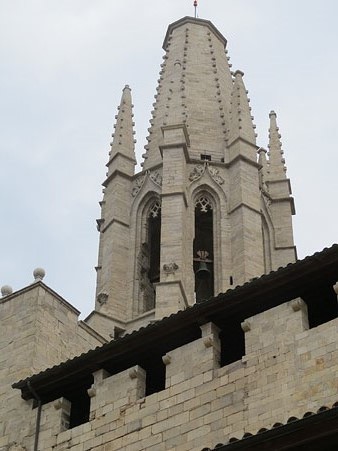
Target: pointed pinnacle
(123,141)
(276,160)
(241,125)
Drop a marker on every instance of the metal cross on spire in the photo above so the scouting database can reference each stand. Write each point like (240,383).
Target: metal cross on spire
(195,6)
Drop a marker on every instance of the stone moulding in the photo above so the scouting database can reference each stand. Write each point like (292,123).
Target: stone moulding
(170,268)
(133,373)
(166,359)
(155,177)
(91,392)
(57,404)
(246,326)
(215,175)
(266,198)
(138,183)
(208,342)
(198,171)
(297,304)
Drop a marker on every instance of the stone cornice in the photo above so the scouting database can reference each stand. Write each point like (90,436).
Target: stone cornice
(275,200)
(111,222)
(132,160)
(192,20)
(46,288)
(241,157)
(114,174)
(243,204)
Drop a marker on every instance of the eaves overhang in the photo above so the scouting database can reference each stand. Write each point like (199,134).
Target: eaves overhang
(315,432)
(268,291)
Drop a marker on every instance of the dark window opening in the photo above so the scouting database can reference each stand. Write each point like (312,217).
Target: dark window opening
(149,258)
(155,375)
(205,157)
(232,343)
(321,304)
(80,404)
(154,242)
(203,254)
(231,280)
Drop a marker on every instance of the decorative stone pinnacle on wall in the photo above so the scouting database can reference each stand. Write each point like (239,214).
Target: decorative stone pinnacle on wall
(39,274)
(6,290)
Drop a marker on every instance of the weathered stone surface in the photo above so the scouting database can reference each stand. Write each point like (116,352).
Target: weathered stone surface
(201,150)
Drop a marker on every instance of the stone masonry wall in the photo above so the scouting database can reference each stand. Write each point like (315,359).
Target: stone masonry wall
(38,330)
(287,370)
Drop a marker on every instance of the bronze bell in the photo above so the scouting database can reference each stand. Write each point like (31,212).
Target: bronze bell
(203,272)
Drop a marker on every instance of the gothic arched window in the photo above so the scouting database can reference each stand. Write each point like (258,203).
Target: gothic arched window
(154,241)
(149,268)
(203,248)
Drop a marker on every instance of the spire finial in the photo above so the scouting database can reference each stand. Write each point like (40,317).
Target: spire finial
(195,6)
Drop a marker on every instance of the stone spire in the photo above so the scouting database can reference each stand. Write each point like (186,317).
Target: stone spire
(277,167)
(201,152)
(123,138)
(281,202)
(111,288)
(241,125)
(195,67)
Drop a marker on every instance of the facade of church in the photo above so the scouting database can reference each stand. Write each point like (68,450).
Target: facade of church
(206,331)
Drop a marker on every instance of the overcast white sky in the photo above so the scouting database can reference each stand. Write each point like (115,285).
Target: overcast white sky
(63,66)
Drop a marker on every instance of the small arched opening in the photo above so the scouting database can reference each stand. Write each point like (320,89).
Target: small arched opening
(203,249)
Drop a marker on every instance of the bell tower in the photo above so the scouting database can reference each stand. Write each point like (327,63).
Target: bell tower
(209,210)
